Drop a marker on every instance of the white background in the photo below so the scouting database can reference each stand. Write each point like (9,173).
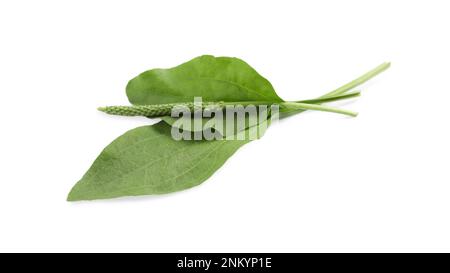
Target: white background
(317,182)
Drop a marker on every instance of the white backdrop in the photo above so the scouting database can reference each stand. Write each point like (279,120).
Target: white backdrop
(316,182)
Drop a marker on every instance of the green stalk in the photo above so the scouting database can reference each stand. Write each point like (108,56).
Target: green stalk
(287,108)
(316,107)
(343,89)
(159,110)
(318,100)
(360,80)
(304,105)
(333,98)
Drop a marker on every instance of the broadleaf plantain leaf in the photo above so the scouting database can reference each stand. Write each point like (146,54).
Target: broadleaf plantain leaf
(211,78)
(147,160)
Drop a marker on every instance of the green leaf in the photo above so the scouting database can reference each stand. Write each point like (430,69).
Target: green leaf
(209,77)
(147,160)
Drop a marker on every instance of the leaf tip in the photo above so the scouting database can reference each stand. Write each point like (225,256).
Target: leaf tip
(76,193)
(72,197)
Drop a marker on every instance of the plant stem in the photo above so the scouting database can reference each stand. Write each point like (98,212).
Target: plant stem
(287,108)
(312,101)
(346,87)
(360,80)
(333,98)
(158,110)
(317,107)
